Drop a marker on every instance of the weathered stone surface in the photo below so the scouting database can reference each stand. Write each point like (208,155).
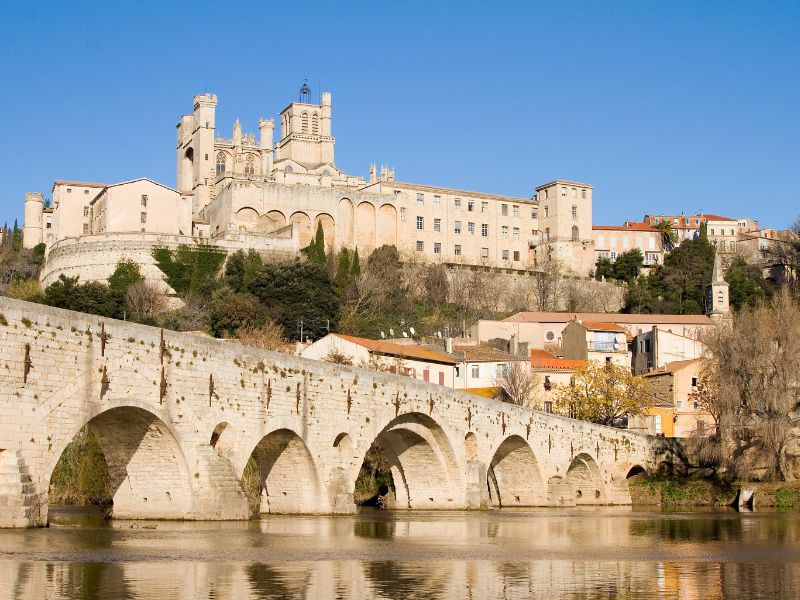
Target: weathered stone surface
(183,456)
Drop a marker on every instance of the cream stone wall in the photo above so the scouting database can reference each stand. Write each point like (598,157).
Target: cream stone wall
(610,242)
(140,205)
(303,421)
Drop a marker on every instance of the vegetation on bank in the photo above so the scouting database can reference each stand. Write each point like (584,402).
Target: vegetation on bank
(81,474)
(674,491)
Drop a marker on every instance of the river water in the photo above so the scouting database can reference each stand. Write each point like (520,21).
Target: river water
(543,553)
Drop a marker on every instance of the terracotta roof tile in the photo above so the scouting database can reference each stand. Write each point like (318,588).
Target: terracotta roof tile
(672,367)
(485,353)
(415,351)
(602,326)
(629,226)
(486,392)
(566,317)
(542,359)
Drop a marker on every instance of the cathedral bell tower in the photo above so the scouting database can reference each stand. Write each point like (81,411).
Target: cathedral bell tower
(306,131)
(718,298)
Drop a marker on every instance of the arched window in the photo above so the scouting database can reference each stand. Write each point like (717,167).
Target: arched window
(220,164)
(250,166)
(315,124)
(304,122)
(289,168)
(576,236)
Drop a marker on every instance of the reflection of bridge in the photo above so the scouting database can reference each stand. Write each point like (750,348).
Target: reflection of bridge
(178,417)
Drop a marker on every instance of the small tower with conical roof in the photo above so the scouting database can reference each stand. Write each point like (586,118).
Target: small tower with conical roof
(718,300)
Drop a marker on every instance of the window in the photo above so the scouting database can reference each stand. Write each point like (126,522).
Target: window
(471,228)
(573,192)
(69,190)
(220,163)
(457,227)
(250,166)
(420,199)
(583,194)
(657,423)
(49,224)
(437,248)
(437,224)
(548,406)
(484,230)
(484,208)
(516,233)
(574,211)
(534,215)
(484,253)
(504,232)
(547,234)
(505,254)
(694,382)
(85,211)
(457,203)
(85,228)
(470,206)
(546,212)
(576,236)
(457,250)
(437,202)
(695,405)
(289,169)
(441,378)
(420,246)
(515,210)
(143,217)
(712,232)
(563,190)
(402,214)
(476,371)
(516,255)
(679,403)
(144,199)
(420,223)
(550,336)
(504,210)
(545,193)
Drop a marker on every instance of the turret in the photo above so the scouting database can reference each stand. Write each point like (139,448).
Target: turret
(326,114)
(266,129)
(32,229)
(195,151)
(237,134)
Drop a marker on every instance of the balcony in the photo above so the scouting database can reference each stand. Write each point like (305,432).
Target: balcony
(607,347)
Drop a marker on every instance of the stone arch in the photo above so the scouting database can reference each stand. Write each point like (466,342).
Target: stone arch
(328,228)
(387,225)
(423,465)
(148,475)
(278,217)
(217,433)
(288,475)
(635,470)
(586,480)
(247,217)
(344,223)
(514,475)
(304,225)
(365,225)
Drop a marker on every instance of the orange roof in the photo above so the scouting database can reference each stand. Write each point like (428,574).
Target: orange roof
(602,326)
(485,353)
(630,225)
(486,392)
(715,217)
(672,367)
(638,319)
(415,351)
(542,359)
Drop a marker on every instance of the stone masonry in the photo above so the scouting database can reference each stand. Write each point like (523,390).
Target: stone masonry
(178,417)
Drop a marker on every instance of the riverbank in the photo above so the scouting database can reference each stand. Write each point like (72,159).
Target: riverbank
(711,491)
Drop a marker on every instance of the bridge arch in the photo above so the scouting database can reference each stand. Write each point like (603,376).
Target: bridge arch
(514,475)
(423,464)
(288,477)
(586,480)
(148,474)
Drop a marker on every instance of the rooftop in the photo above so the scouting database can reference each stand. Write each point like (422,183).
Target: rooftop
(485,353)
(600,326)
(455,192)
(415,351)
(629,226)
(542,359)
(618,318)
(674,366)
(564,181)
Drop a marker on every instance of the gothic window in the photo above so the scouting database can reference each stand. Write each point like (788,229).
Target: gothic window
(304,122)
(315,124)
(575,234)
(220,164)
(250,166)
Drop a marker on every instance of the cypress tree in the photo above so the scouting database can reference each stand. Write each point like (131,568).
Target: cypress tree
(355,269)
(342,278)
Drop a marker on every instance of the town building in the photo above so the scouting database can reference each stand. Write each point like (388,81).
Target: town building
(721,231)
(674,384)
(656,348)
(612,240)
(596,341)
(554,373)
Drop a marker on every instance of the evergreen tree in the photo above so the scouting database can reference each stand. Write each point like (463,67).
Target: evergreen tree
(342,278)
(628,265)
(315,251)
(241,269)
(355,270)
(747,286)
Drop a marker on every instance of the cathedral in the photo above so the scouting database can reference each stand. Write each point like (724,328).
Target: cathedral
(251,191)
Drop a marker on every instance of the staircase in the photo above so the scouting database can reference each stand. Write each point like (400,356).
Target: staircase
(20,506)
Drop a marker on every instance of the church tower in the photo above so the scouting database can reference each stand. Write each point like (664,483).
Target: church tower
(195,150)
(306,132)
(718,300)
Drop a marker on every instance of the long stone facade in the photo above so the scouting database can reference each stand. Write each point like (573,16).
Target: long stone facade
(179,416)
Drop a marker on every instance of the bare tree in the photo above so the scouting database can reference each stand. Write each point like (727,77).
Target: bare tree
(547,281)
(145,301)
(338,357)
(267,337)
(755,361)
(517,383)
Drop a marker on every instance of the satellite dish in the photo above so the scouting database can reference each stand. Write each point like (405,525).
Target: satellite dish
(383,335)
(405,334)
(391,332)
(411,329)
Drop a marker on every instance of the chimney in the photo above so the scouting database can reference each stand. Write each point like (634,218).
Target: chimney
(513,346)
(448,345)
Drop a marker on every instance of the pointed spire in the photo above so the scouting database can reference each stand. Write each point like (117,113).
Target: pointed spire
(717,275)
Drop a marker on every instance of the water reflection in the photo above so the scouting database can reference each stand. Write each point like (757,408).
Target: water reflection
(584,553)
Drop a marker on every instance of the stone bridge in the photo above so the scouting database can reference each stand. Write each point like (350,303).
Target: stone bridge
(178,416)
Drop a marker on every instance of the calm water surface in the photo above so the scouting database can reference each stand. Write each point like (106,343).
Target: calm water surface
(546,553)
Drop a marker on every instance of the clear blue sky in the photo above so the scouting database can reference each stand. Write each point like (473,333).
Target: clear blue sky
(669,106)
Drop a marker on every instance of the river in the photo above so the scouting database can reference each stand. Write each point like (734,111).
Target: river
(608,552)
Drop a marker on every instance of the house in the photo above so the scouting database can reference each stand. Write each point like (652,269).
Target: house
(658,347)
(419,361)
(596,341)
(554,372)
(612,240)
(674,384)
(480,365)
(657,418)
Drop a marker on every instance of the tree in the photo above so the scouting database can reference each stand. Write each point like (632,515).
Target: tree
(315,251)
(298,292)
(125,274)
(145,303)
(355,270)
(517,382)
(628,265)
(338,357)
(602,393)
(436,284)
(231,311)
(547,278)
(746,284)
(668,236)
(241,269)
(603,269)
(267,337)
(343,276)
(754,363)
(93,297)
